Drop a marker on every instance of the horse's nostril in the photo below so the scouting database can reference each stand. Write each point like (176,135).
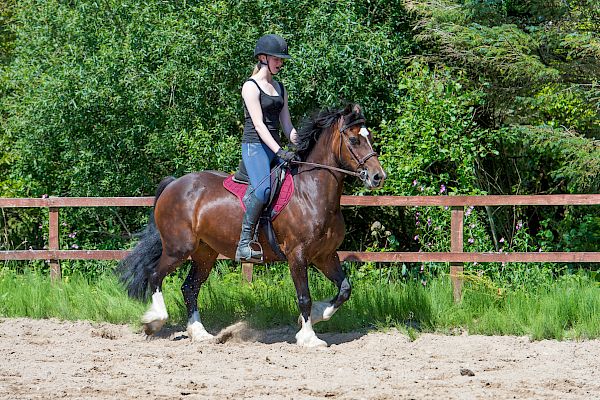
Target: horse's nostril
(376,178)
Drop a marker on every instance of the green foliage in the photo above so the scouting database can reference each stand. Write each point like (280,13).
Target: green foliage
(534,66)
(431,138)
(109,97)
(106,98)
(6,33)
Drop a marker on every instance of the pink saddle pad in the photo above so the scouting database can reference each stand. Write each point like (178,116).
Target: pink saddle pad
(283,198)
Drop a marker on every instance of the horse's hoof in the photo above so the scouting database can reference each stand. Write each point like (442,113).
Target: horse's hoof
(197,333)
(314,342)
(150,328)
(310,340)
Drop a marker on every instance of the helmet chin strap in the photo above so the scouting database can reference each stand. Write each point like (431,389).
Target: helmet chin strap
(267,64)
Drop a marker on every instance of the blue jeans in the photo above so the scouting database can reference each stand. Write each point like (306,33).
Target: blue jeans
(257,159)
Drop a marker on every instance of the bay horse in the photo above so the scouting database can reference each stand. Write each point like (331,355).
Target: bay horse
(196,216)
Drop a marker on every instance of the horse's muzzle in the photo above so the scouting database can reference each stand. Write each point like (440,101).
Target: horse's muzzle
(373,179)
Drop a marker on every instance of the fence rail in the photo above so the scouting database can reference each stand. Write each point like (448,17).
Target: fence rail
(456,257)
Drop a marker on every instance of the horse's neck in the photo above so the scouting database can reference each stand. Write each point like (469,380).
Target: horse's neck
(320,181)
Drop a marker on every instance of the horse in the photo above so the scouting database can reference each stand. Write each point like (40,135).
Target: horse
(195,216)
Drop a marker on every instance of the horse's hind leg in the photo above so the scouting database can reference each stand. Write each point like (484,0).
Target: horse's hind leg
(332,269)
(203,260)
(157,315)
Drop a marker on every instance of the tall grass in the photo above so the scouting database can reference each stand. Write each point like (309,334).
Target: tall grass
(567,307)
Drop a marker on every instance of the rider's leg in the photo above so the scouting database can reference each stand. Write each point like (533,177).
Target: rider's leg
(257,159)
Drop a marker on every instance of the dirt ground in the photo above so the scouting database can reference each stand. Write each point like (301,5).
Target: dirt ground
(49,359)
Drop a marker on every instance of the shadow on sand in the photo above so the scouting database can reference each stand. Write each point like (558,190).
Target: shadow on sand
(242,332)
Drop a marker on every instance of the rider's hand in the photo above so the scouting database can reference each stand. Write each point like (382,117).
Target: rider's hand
(294,137)
(287,156)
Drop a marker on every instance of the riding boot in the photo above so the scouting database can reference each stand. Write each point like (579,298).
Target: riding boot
(244,251)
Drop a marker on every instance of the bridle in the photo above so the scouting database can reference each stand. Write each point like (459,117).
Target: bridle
(360,173)
(344,135)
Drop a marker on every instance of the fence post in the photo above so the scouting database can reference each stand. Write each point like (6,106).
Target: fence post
(247,271)
(54,242)
(456,246)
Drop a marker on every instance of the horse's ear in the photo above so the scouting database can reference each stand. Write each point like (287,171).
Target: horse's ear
(349,108)
(357,109)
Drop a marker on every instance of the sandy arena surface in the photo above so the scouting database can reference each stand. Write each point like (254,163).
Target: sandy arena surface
(49,359)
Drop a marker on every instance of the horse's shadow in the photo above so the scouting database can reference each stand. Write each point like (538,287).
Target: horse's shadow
(241,332)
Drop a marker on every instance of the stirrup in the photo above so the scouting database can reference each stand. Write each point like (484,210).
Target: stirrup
(252,251)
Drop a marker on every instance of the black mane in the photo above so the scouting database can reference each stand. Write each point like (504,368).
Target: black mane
(312,127)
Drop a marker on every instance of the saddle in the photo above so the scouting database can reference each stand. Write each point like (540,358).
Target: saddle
(282,189)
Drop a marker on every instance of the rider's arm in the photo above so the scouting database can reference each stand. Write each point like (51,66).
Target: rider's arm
(286,121)
(251,96)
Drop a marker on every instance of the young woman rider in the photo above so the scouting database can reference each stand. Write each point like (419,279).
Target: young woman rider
(265,108)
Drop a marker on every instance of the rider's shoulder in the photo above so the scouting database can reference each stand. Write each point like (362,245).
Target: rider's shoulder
(250,87)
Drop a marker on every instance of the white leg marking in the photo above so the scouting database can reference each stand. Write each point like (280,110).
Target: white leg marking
(306,336)
(157,315)
(196,330)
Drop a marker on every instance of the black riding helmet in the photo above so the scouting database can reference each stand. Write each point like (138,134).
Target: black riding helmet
(272,45)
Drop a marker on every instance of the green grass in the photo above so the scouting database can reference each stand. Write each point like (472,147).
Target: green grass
(567,308)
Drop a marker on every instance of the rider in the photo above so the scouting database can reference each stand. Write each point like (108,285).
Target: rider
(265,107)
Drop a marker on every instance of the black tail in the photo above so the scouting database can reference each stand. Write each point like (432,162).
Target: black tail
(134,271)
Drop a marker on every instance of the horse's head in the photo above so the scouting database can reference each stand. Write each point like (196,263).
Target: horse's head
(355,149)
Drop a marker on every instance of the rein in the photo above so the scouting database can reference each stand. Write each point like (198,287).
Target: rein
(345,171)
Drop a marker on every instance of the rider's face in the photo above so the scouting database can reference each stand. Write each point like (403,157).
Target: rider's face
(275,63)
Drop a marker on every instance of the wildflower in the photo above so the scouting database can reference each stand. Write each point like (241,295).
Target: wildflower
(428,221)
(471,240)
(415,182)
(469,211)
(472,226)
(417,223)
(500,251)
(540,250)
(442,188)
(519,225)
(423,282)
(501,240)
(44,196)
(422,188)
(416,237)
(74,246)
(446,207)
(72,235)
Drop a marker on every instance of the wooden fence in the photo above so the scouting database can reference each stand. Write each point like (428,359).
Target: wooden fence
(456,256)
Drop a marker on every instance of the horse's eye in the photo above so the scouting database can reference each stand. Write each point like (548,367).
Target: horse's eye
(354,141)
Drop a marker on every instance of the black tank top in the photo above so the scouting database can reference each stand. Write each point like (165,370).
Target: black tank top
(271,108)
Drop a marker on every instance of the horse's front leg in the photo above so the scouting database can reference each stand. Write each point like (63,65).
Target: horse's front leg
(332,269)
(306,336)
